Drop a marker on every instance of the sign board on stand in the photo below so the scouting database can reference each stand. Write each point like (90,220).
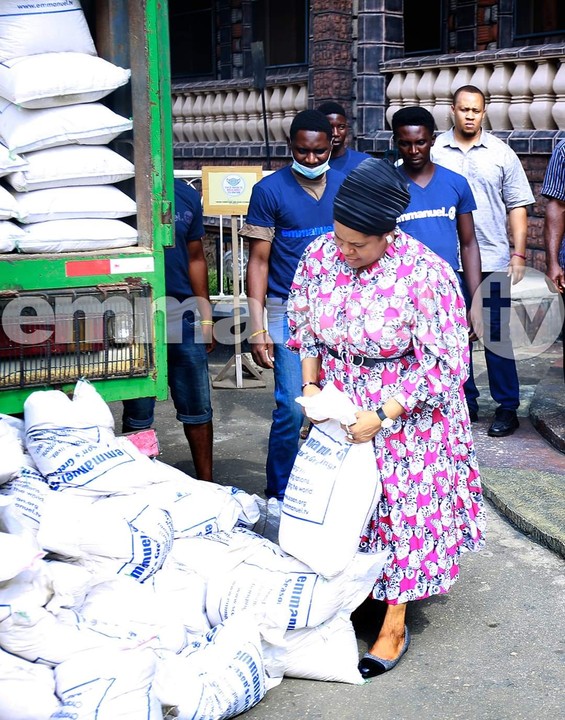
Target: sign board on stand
(227,191)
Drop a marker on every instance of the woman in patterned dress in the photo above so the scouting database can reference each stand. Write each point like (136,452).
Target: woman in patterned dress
(382,317)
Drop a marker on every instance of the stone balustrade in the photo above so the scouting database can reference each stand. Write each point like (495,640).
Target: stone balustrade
(524,87)
(231,111)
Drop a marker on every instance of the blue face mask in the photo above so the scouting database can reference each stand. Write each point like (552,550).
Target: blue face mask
(311,173)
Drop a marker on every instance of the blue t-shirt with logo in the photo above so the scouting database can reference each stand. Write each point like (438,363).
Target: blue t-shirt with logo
(189,226)
(349,160)
(298,218)
(431,216)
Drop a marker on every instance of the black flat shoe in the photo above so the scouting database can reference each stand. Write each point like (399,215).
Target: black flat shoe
(504,423)
(372,665)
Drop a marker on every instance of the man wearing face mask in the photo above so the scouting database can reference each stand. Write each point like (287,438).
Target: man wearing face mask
(287,210)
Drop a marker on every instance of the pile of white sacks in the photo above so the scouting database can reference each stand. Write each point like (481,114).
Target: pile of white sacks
(129,589)
(57,192)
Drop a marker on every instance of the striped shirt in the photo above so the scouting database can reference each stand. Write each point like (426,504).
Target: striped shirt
(554,180)
(554,185)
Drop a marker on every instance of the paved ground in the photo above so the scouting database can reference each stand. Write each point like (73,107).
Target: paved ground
(524,474)
(493,649)
(490,650)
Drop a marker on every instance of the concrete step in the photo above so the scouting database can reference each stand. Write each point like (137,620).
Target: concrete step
(547,407)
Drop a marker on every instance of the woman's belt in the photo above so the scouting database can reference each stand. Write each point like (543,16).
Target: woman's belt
(362,360)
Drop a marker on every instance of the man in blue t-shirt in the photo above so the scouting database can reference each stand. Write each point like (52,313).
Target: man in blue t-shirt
(287,210)
(342,158)
(440,213)
(189,335)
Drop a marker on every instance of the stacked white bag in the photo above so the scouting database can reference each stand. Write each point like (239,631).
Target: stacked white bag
(54,134)
(9,231)
(128,587)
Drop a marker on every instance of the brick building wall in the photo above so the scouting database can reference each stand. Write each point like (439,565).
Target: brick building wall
(487,24)
(535,166)
(331,53)
(348,42)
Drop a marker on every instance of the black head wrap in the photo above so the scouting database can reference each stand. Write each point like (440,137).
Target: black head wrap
(371,197)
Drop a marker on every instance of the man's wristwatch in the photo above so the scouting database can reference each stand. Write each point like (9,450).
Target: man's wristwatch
(386,422)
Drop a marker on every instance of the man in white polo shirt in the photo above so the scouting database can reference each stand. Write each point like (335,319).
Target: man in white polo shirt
(502,192)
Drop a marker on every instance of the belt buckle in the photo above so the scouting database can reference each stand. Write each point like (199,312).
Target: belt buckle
(349,359)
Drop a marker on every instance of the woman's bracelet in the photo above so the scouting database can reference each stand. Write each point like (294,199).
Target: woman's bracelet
(523,257)
(206,322)
(257,332)
(310,382)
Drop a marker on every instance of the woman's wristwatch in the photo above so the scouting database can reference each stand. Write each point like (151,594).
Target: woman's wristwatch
(386,422)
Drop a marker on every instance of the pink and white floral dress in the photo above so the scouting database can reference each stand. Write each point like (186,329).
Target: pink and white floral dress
(406,307)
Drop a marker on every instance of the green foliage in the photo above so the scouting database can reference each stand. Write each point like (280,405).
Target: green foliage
(213,281)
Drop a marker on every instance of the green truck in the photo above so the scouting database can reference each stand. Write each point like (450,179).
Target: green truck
(100,315)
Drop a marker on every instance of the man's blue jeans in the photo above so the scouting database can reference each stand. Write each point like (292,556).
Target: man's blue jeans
(189,384)
(287,416)
(503,380)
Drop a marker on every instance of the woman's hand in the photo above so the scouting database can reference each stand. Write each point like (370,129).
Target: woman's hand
(310,391)
(367,426)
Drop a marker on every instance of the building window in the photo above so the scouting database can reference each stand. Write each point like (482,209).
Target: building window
(193,46)
(424,31)
(283,29)
(539,19)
